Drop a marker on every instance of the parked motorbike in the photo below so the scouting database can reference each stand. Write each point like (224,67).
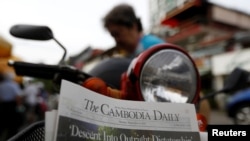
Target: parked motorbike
(238,105)
(236,86)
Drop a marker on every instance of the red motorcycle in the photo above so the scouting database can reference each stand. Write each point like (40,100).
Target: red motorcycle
(163,73)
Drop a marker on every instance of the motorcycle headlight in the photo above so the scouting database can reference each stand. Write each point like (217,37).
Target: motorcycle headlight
(165,73)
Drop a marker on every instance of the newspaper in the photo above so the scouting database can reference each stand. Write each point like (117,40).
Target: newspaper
(86,115)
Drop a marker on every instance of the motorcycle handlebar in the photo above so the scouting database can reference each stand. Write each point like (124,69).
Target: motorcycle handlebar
(59,72)
(53,72)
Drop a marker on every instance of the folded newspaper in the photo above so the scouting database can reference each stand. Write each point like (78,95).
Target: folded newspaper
(85,115)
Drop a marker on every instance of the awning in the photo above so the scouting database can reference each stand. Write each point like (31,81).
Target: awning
(200,36)
(184,34)
(172,17)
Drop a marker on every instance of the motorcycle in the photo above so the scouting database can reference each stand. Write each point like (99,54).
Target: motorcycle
(238,105)
(163,73)
(164,65)
(236,86)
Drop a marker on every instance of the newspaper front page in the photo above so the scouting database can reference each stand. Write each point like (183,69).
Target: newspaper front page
(86,115)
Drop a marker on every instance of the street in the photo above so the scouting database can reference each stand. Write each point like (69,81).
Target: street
(219,117)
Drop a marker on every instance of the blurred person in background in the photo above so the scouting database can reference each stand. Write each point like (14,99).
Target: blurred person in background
(10,104)
(127,30)
(34,96)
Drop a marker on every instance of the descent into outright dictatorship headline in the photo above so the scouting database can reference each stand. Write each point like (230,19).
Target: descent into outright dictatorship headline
(104,136)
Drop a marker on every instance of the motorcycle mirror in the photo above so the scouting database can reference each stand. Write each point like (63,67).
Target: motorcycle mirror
(36,32)
(165,73)
(31,32)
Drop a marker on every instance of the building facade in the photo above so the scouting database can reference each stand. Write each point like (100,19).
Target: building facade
(212,34)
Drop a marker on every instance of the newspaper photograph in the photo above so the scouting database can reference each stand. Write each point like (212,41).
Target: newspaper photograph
(86,115)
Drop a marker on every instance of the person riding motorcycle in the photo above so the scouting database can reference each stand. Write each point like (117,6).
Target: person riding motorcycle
(127,31)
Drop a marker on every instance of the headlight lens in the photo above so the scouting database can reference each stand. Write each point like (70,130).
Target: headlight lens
(168,76)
